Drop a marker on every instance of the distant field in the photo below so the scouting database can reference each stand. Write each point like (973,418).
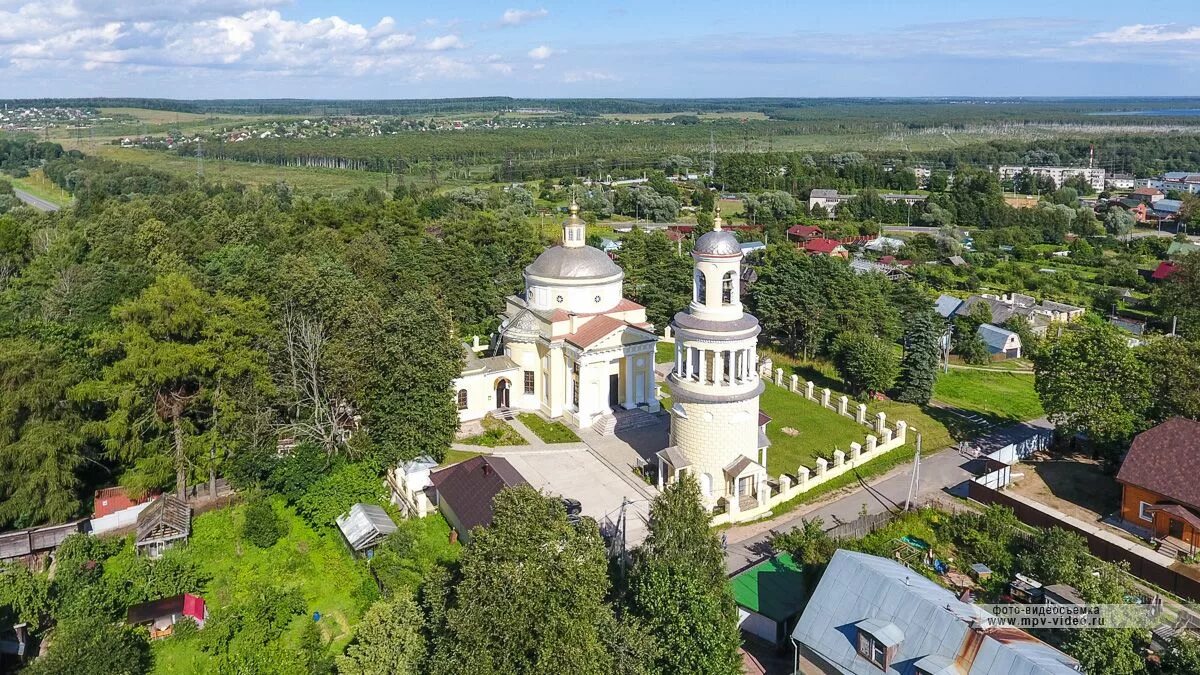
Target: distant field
(306,179)
(647,117)
(161,116)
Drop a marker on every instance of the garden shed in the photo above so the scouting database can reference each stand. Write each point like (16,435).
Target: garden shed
(167,521)
(364,526)
(770,596)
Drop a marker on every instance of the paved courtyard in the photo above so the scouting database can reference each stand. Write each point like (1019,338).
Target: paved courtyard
(577,473)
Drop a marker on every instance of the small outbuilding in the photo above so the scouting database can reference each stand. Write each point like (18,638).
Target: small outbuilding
(160,616)
(166,522)
(770,597)
(1000,342)
(364,526)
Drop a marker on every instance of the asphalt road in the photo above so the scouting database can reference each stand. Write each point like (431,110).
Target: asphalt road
(36,202)
(940,472)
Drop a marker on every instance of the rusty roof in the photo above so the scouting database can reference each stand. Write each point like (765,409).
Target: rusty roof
(1164,460)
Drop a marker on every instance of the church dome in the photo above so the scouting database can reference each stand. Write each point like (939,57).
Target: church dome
(579,262)
(718,242)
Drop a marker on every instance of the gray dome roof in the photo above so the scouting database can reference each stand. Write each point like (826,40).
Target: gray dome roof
(718,242)
(579,262)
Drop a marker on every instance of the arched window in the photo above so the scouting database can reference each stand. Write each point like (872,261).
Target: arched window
(706,484)
(462,399)
(727,288)
(701,290)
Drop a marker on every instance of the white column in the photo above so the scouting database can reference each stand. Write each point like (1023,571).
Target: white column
(629,402)
(678,359)
(703,365)
(753,365)
(726,368)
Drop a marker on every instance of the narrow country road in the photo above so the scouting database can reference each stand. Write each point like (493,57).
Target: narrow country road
(36,202)
(941,470)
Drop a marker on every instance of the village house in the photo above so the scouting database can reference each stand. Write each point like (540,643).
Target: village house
(1001,343)
(1159,494)
(1040,315)
(804,232)
(464,491)
(830,247)
(870,615)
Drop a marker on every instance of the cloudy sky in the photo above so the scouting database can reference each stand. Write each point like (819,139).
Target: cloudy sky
(404,49)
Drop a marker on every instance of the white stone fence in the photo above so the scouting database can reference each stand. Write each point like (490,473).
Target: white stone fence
(880,441)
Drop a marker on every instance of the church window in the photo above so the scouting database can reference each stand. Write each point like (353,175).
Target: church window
(727,288)
(529,382)
(575,386)
(701,291)
(462,399)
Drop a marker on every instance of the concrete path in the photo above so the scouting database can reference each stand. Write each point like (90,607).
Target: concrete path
(941,471)
(36,202)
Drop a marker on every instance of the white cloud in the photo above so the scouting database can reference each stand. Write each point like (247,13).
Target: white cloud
(541,53)
(444,42)
(1139,33)
(516,17)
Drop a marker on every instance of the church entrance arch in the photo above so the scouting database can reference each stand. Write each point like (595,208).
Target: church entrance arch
(503,387)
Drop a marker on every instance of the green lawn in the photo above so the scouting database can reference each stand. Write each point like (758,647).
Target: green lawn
(319,565)
(821,431)
(495,433)
(455,456)
(550,432)
(664,352)
(1000,396)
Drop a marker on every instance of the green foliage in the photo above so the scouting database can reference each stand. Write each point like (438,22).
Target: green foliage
(988,536)
(678,588)
(529,596)
(237,634)
(809,543)
(175,362)
(262,526)
(656,275)
(922,354)
(1180,296)
(24,597)
(496,432)
(334,494)
(1091,382)
(388,641)
(1182,656)
(866,363)
(408,554)
(94,645)
(1103,650)
(1173,366)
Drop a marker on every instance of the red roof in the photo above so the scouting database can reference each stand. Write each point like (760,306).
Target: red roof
(112,499)
(625,305)
(1165,460)
(822,245)
(805,231)
(1147,191)
(1164,270)
(887,259)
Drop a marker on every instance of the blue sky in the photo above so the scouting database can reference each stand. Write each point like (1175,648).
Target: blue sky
(374,49)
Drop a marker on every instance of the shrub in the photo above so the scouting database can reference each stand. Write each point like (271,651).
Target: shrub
(262,526)
(334,494)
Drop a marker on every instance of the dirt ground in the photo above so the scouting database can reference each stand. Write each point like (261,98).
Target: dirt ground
(1073,484)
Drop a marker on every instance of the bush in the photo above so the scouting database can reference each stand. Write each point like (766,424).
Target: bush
(262,526)
(334,494)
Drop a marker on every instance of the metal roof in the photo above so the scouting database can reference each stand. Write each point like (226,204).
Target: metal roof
(578,262)
(886,633)
(996,337)
(857,587)
(945,305)
(718,242)
(773,588)
(364,525)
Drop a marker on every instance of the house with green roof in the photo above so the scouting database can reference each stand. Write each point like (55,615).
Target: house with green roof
(770,596)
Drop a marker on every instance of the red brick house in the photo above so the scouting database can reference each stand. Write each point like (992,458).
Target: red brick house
(805,232)
(1159,488)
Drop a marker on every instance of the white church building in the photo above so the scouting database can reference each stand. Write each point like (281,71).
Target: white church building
(569,347)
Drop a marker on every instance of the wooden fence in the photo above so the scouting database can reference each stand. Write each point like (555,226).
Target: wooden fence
(1177,578)
(860,527)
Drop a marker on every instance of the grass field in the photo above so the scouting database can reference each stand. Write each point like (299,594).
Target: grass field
(550,432)
(664,352)
(310,180)
(318,565)
(821,431)
(455,456)
(1000,396)
(168,116)
(37,185)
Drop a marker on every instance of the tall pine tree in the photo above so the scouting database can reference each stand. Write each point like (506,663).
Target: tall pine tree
(922,351)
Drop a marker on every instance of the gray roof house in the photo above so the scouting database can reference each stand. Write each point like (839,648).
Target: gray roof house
(1039,314)
(364,526)
(871,615)
(946,305)
(1000,341)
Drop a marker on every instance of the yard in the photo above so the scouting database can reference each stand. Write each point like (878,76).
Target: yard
(318,564)
(821,431)
(998,396)
(495,433)
(1073,484)
(664,352)
(550,432)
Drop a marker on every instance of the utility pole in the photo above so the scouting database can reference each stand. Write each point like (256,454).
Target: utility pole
(914,483)
(200,156)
